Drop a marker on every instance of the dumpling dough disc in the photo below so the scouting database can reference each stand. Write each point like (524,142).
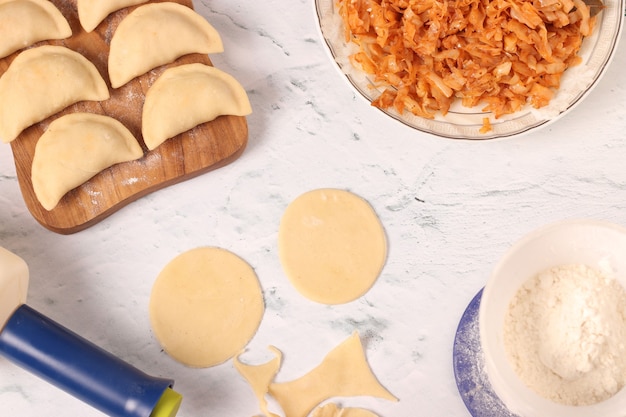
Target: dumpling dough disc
(156,34)
(186,96)
(92,12)
(43,81)
(25,22)
(332,245)
(205,306)
(74,148)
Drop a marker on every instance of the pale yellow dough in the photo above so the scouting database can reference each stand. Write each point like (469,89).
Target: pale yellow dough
(156,34)
(186,96)
(332,245)
(344,372)
(92,12)
(73,149)
(26,22)
(260,377)
(205,306)
(14,278)
(43,81)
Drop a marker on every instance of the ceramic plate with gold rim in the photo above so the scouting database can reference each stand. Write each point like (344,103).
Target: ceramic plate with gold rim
(465,123)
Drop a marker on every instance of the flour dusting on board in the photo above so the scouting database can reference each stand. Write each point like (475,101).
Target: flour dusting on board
(130,181)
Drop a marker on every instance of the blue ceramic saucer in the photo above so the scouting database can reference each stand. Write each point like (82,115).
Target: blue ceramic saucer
(469,370)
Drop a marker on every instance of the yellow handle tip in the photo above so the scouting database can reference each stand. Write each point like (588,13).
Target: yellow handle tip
(168,404)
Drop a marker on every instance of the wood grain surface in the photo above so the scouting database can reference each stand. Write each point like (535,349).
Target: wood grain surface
(202,149)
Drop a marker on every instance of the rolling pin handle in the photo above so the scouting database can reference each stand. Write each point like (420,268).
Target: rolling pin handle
(83,369)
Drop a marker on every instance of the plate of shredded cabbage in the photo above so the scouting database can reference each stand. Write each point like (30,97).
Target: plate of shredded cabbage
(471,69)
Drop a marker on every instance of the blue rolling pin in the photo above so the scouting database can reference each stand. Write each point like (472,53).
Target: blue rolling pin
(71,362)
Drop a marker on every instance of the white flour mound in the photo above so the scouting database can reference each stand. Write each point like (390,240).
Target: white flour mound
(565,335)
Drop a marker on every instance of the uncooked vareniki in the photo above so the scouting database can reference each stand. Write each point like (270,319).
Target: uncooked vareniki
(25,22)
(156,34)
(73,149)
(186,96)
(43,81)
(92,12)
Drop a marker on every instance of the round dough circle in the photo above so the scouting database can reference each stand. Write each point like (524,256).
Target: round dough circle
(205,306)
(332,245)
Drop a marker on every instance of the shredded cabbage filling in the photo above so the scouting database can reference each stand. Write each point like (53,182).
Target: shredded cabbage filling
(502,54)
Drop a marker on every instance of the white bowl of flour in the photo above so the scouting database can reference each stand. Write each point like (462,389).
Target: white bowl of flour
(552,322)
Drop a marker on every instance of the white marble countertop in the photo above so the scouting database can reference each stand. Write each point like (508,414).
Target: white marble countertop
(450,209)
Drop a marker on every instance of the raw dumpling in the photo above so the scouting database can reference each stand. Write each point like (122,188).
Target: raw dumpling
(92,12)
(43,81)
(188,95)
(76,147)
(25,22)
(157,34)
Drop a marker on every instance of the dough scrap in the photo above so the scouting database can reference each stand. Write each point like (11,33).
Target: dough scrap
(332,410)
(43,81)
(157,34)
(73,149)
(344,372)
(260,377)
(186,96)
(92,12)
(26,22)
(332,245)
(205,306)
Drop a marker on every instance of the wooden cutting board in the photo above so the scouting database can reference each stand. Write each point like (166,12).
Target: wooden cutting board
(202,149)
